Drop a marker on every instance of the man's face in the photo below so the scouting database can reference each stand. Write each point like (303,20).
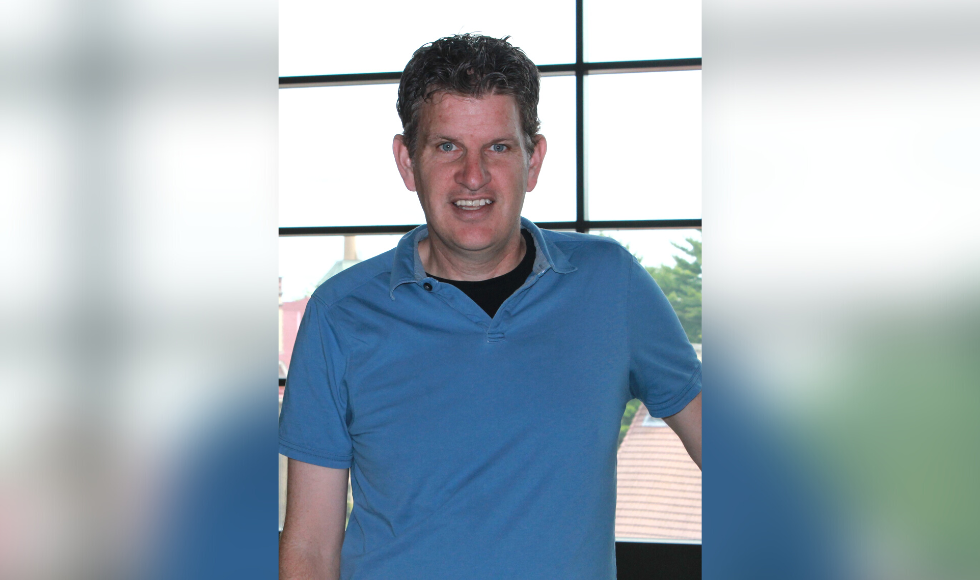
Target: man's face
(471,171)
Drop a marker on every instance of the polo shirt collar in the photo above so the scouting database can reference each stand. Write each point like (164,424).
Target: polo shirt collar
(547,253)
(407,265)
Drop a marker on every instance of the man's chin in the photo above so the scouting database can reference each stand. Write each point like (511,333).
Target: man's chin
(472,246)
(477,240)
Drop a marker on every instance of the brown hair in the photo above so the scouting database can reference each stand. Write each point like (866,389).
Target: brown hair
(469,65)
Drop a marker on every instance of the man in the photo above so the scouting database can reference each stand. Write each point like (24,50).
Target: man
(473,379)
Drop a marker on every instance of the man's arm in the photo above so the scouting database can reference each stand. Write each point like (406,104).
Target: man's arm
(312,534)
(687,425)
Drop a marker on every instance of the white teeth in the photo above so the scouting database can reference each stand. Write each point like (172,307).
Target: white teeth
(471,204)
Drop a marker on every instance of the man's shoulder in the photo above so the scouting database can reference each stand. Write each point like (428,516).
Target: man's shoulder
(361,279)
(581,249)
(574,238)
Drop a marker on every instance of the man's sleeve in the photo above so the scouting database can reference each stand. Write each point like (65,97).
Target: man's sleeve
(313,421)
(665,372)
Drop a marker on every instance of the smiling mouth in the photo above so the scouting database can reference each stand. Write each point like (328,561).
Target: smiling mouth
(471,204)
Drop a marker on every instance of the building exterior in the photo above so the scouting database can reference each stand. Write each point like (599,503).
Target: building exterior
(658,486)
(290,315)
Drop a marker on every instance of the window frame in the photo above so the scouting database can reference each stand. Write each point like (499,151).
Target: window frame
(633,557)
(579,69)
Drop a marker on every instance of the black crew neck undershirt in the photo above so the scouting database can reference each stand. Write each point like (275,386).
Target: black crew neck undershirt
(490,294)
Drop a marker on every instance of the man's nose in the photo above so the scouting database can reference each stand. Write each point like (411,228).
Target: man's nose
(473,174)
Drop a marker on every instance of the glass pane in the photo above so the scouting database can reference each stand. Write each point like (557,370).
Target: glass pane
(318,37)
(629,30)
(336,166)
(282,482)
(335,161)
(644,145)
(553,200)
(658,485)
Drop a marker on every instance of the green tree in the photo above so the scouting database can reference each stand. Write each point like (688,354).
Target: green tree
(681,284)
(624,426)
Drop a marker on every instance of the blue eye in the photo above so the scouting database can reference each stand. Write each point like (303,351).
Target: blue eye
(447,147)
(499,148)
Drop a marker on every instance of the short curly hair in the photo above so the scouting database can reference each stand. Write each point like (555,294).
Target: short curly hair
(469,65)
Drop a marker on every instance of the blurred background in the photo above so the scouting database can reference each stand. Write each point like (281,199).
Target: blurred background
(151,167)
(138,176)
(840,193)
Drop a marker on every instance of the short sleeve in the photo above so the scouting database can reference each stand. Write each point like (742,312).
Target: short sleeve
(313,421)
(665,372)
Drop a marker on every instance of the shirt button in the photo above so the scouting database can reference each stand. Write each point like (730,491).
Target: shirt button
(427,286)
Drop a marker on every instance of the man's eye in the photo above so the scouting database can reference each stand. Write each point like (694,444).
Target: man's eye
(499,148)
(447,147)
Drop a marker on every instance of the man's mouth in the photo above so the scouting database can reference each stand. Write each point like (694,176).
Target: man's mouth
(471,204)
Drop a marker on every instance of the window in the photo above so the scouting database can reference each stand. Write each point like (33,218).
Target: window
(620,105)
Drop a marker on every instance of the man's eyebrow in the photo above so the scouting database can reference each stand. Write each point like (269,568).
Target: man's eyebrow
(439,137)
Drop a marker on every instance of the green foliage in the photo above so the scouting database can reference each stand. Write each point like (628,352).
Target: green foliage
(624,425)
(681,284)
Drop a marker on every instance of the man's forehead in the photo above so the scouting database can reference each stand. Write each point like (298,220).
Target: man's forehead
(449,106)
(439,97)
(451,122)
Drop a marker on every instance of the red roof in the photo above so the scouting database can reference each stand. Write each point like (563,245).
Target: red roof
(658,485)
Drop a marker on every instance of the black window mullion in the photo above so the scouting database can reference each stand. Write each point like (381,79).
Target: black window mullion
(581,183)
(546,70)
(575,225)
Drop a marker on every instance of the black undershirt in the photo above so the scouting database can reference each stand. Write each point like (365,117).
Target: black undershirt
(490,294)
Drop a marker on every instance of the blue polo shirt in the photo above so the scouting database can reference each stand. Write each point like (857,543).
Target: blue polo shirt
(479,447)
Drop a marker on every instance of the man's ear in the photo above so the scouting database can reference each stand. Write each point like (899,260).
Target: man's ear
(537,158)
(404,162)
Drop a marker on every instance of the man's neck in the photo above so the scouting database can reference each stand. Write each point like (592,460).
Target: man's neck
(444,262)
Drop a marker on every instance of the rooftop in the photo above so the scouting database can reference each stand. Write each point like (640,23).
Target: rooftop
(658,485)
